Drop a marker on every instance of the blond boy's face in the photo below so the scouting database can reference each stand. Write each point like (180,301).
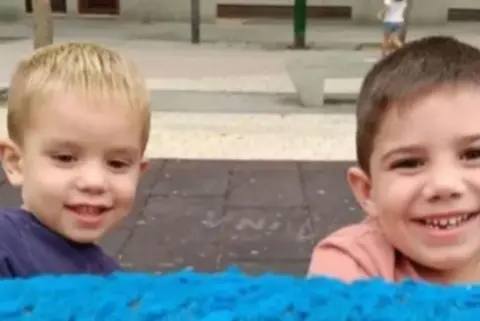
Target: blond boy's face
(424,187)
(79,165)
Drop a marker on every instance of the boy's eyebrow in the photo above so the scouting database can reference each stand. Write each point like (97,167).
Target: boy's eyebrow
(407,149)
(72,145)
(469,138)
(61,144)
(125,150)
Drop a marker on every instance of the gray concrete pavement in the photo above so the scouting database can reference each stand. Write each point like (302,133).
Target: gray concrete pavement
(236,56)
(269,34)
(210,69)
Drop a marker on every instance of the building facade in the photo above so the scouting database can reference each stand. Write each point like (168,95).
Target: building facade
(424,11)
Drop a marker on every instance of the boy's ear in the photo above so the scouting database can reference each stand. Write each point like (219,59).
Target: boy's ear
(361,186)
(11,158)
(144,164)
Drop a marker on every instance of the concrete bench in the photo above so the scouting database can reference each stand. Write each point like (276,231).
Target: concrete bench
(316,81)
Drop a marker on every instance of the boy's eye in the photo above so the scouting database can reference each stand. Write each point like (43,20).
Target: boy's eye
(117,164)
(63,158)
(407,163)
(471,154)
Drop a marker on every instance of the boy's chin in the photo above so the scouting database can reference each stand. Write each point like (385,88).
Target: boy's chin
(83,237)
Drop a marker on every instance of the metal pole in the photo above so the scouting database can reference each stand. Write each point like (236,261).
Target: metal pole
(299,23)
(195,21)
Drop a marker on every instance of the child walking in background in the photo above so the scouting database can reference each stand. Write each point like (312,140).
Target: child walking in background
(418,172)
(393,17)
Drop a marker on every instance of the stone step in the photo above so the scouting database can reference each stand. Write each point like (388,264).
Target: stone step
(198,135)
(264,84)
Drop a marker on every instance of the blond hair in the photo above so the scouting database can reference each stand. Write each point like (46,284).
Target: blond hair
(90,70)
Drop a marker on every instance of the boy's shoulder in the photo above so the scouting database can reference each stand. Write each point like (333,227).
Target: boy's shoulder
(361,249)
(9,215)
(351,234)
(18,227)
(12,240)
(365,236)
(29,248)
(11,222)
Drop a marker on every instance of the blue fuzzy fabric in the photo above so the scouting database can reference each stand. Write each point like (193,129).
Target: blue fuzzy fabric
(230,296)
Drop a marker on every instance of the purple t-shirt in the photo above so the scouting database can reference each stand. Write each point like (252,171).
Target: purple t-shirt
(28,248)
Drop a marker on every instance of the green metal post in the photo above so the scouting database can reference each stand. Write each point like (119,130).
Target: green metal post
(299,23)
(195,21)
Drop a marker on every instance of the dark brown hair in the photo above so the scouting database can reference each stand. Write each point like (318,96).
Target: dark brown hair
(413,71)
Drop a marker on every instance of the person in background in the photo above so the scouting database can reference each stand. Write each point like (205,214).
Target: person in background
(393,17)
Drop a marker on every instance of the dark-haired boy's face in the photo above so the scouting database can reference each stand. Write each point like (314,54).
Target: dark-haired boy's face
(424,186)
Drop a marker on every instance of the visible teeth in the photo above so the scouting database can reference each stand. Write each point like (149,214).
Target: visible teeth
(447,222)
(88,210)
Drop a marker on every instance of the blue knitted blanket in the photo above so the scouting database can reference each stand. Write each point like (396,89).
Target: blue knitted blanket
(230,296)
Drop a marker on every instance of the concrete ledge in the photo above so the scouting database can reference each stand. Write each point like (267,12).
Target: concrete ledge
(343,90)
(316,81)
(309,86)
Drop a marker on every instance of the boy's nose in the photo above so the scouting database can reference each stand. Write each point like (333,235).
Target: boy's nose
(92,179)
(444,182)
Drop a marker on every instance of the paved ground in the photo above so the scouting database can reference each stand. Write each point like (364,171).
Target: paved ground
(174,67)
(256,33)
(235,58)
(263,216)
(248,136)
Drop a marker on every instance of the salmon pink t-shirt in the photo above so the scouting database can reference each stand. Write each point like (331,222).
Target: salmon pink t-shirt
(360,251)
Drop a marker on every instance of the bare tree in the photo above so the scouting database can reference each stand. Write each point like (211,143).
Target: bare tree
(42,22)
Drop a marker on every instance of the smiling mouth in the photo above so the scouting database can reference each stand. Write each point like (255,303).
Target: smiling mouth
(88,210)
(446,223)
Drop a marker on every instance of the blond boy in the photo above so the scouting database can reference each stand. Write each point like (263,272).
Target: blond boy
(78,123)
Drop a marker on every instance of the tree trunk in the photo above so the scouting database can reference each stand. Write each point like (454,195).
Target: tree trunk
(408,14)
(42,23)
